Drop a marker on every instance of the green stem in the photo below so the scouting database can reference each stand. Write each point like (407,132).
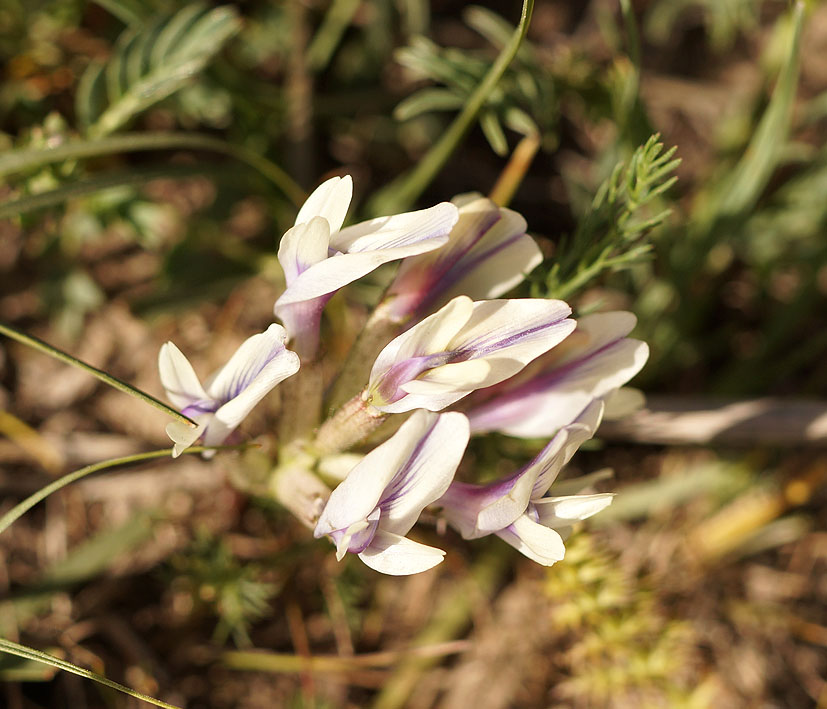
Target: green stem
(30,158)
(20,509)
(94,371)
(131,178)
(330,33)
(28,653)
(379,330)
(404,190)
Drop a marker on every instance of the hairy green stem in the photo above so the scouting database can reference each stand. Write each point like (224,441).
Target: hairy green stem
(351,424)
(301,403)
(300,491)
(379,330)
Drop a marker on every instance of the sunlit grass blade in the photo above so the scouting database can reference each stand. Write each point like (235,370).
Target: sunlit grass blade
(13,161)
(515,170)
(404,190)
(31,654)
(30,440)
(115,383)
(20,509)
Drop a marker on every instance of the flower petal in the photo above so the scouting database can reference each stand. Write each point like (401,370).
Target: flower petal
(623,402)
(260,363)
(513,332)
(183,435)
(589,368)
(360,492)
(179,378)
(506,334)
(342,268)
(498,259)
(508,506)
(499,270)
(399,556)
(425,228)
(435,446)
(558,512)
(594,332)
(303,246)
(302,320)
(432,335)
(329,200)
(563,446)
(538,543)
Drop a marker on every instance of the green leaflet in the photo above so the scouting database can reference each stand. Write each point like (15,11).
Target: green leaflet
(151,63)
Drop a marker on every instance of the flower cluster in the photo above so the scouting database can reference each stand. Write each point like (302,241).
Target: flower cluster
(440,337)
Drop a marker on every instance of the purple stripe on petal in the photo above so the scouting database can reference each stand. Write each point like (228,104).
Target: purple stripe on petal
(483,347)
(406,477)
(459,268)
(203,406)
(543,381)
(408,370)
(243,377)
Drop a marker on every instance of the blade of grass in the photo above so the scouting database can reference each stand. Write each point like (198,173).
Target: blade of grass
(80,188)
(20,509)
(745,183)
(404,190)
(30,440)
(29,653)
(89,559)
(48,349)
(280,662)
(22,159)
(330,33)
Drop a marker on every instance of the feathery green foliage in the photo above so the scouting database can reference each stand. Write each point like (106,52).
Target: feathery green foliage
(524,100)
(150,64)
(233,592)
(614,234)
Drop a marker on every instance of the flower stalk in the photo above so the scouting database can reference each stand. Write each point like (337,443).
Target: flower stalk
(352,423)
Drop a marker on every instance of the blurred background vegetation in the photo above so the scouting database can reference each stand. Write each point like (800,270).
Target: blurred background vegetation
(151,155)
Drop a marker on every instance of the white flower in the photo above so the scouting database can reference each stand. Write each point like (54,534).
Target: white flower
(592,363)
(516,509)
(379,501)
(462,347)
(261,362)
(319,257)
(487,254)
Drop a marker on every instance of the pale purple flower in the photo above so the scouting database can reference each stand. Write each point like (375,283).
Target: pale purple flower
(516,508)
(488,253)
(219,406)
(591,364)
(379,501)
(319,256)
(462,347)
